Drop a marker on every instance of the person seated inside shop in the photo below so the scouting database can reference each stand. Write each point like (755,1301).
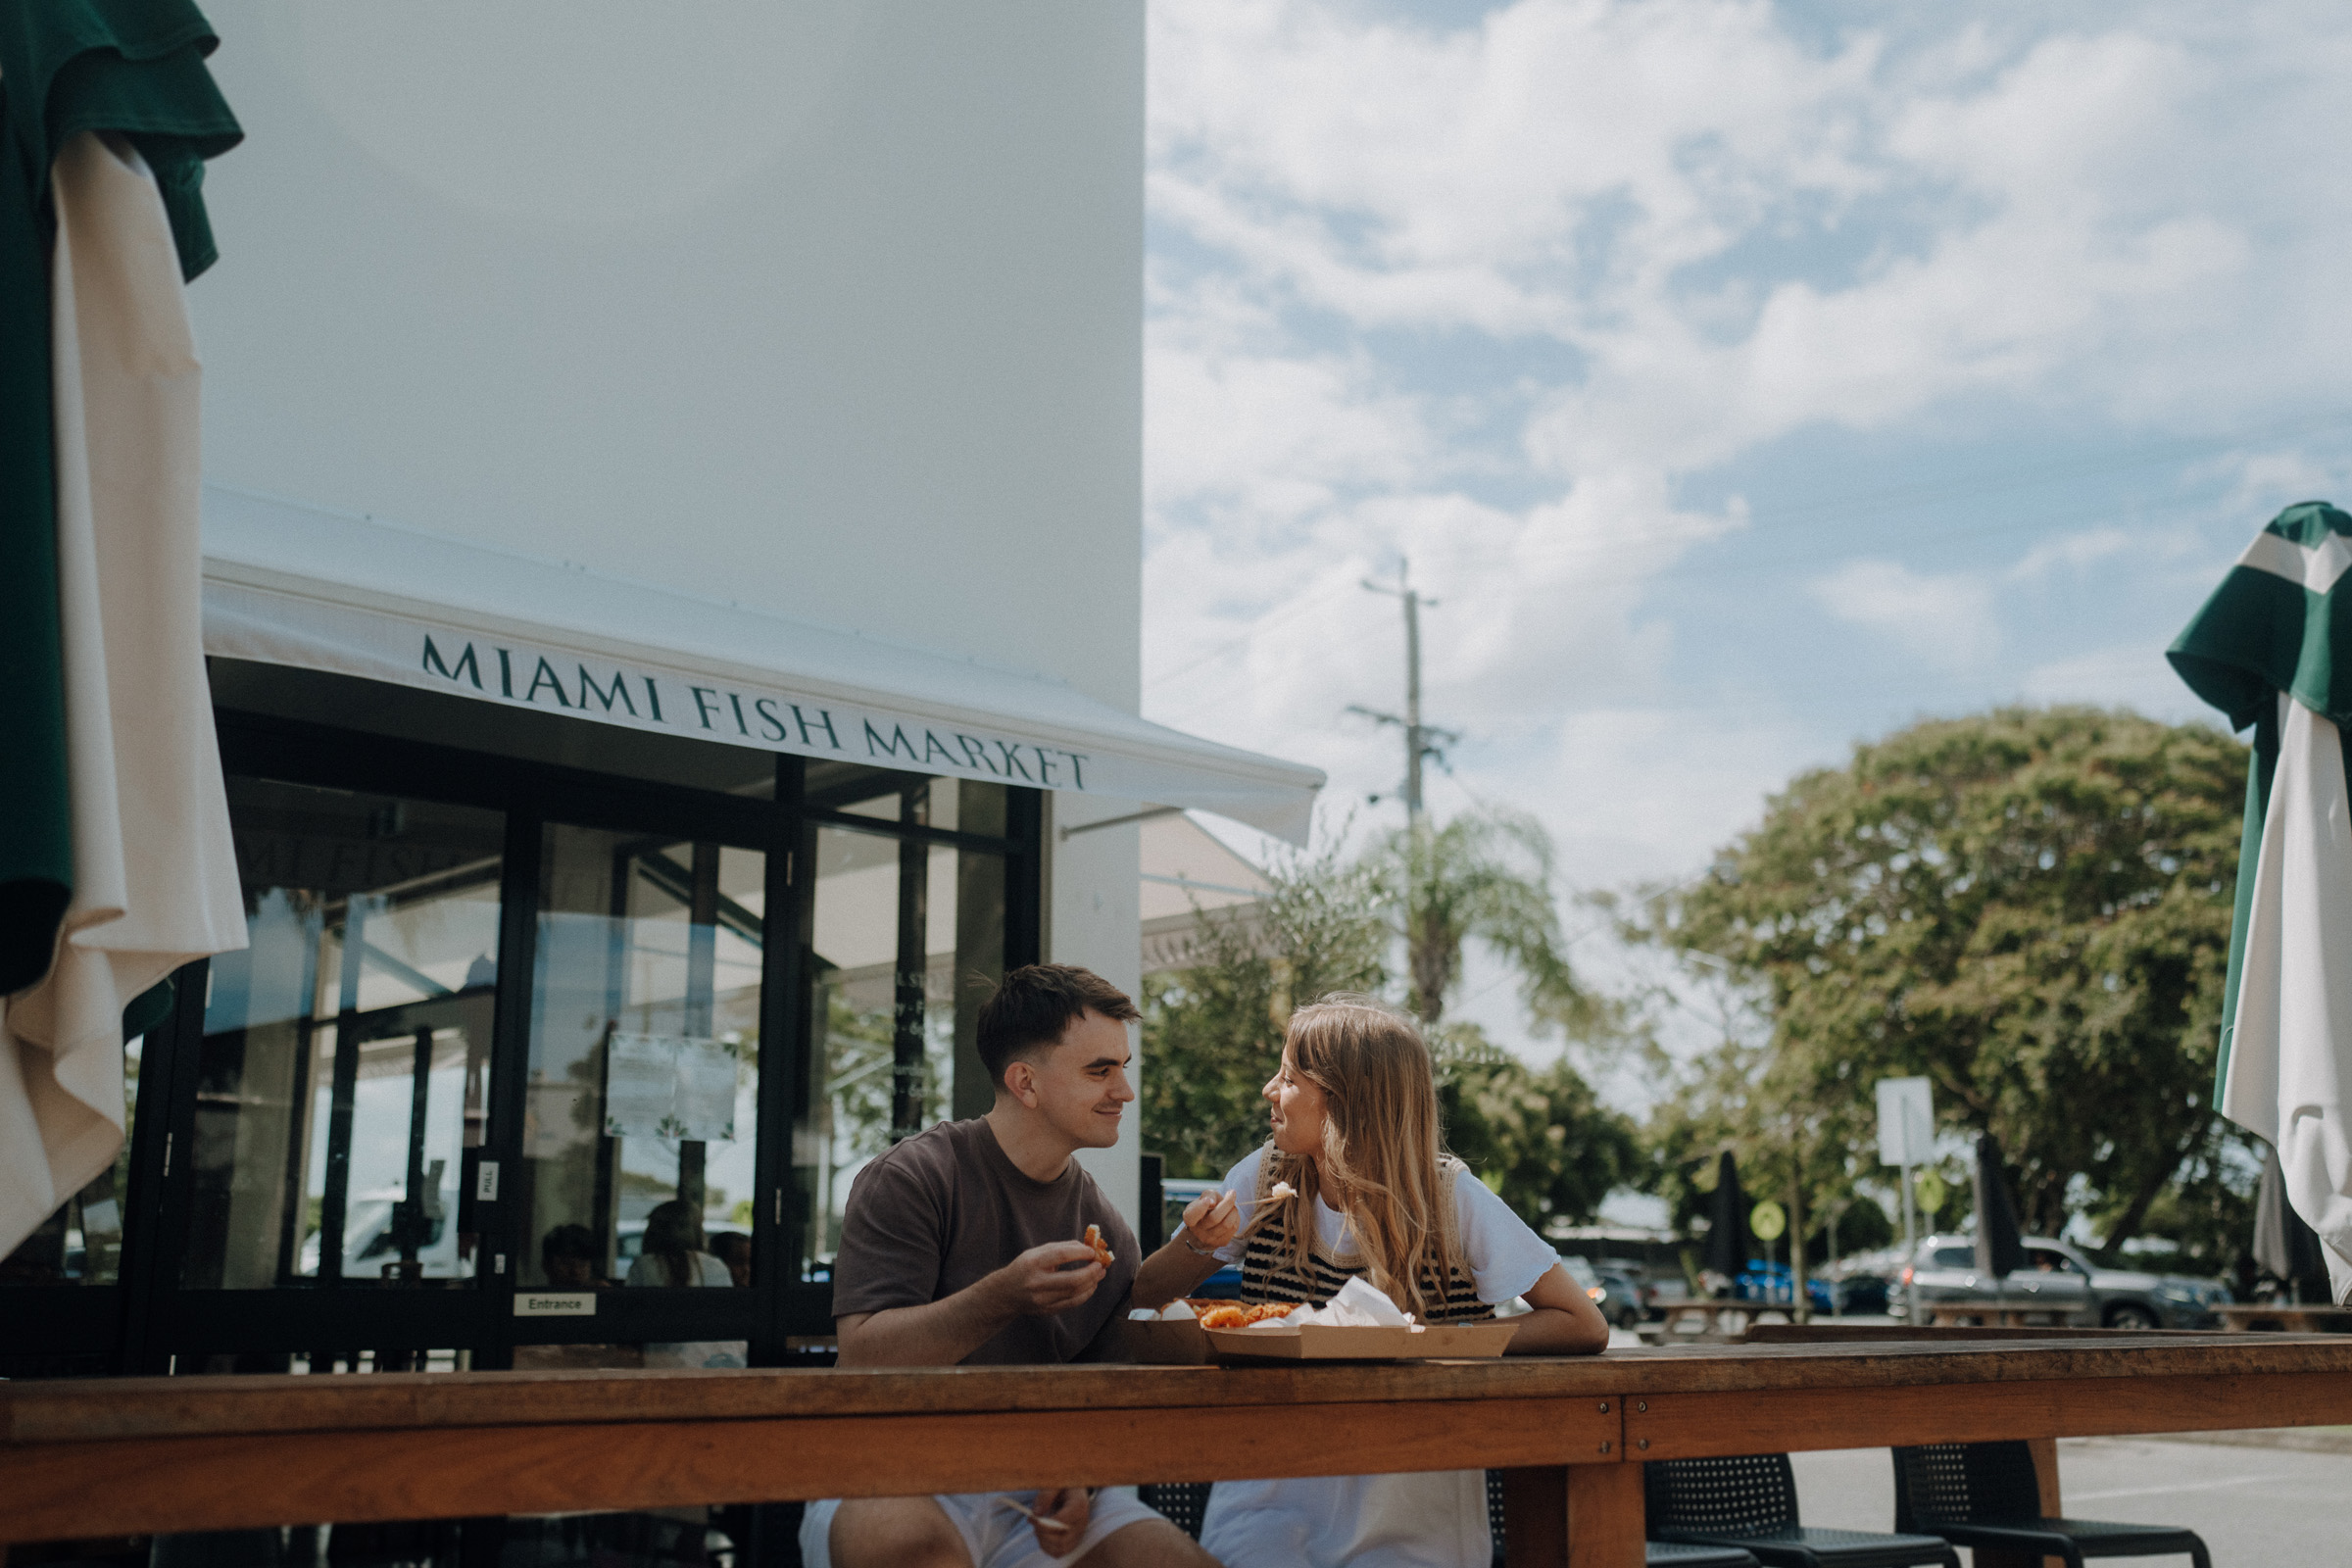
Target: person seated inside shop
(734,1248)
(674,1252)
(571,1261)
(963,1245)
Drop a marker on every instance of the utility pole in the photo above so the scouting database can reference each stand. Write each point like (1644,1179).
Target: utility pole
(1421,741)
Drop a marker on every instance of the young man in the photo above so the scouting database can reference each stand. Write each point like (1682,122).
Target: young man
(962,1247)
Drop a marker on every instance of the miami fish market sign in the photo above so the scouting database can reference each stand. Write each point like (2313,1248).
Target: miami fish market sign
(741,716)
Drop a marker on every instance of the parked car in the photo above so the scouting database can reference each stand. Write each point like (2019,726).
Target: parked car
(371,1238)
(2059,1280)
(1862,1295)
(1623,1301)
(1770,1283)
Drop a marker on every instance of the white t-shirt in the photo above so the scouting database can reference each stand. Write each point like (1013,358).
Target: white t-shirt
(1505,1257)
(647,1269)
(1436,1519)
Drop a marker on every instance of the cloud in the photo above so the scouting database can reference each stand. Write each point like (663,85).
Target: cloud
(1948,621)
(2074,552)
(1534,297)
(2133,675)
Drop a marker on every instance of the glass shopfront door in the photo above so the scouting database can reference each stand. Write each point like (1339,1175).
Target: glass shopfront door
(532,1064)
(343,1074)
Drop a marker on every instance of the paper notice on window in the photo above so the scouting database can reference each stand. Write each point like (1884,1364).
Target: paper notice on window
(669,1086)
(705,1104)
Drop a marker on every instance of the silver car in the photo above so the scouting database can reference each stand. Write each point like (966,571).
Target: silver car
(2060,1281)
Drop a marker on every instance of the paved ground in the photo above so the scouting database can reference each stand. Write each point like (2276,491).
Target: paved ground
(2256,1507)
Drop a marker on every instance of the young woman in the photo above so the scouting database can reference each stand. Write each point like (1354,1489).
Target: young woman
(1372,1193)
(674,1252)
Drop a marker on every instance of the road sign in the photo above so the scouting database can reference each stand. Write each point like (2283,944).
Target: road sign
(1768,1220)
(1932,1190)
(1906,1121)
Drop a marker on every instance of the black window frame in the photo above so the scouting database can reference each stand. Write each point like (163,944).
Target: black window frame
(148,1323)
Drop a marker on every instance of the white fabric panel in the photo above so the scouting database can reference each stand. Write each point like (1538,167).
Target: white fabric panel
(289,585)
(2316,567)
(155,879)
(2291,1058)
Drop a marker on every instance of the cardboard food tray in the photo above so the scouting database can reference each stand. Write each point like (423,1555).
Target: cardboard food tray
(1314,1342)
(1183,1342)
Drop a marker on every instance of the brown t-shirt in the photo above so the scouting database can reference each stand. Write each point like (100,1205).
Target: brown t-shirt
(947,1208)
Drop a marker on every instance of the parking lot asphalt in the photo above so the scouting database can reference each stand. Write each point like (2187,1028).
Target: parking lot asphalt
(2255,1506)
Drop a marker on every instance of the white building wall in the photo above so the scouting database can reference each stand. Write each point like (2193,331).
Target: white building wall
(825,307)
(817,306)
(1094,918)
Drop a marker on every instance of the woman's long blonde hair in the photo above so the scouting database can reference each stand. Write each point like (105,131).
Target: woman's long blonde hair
(1382,1146)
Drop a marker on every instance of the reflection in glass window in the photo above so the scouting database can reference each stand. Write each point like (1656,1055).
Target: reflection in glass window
(907,940)
(641,1109)
(344,1070)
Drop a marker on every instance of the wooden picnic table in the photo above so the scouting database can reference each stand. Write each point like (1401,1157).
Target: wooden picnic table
(2280,1318)
(132,1456)
(1951,1314)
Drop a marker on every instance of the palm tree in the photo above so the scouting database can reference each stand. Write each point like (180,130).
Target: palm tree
(1486,875)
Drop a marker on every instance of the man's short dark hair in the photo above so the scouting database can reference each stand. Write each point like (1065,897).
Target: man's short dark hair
(1034,1008)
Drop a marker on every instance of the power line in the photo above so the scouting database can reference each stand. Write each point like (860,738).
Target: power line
(1861,506)
(1683,573)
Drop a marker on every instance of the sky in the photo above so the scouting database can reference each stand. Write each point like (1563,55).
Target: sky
(1744,380)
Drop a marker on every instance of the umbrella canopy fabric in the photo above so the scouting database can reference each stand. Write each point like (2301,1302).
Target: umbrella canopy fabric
(2265,649)
(68,66)
(2000,1248)
(151,877)
(1728,1243)
(2283,1245)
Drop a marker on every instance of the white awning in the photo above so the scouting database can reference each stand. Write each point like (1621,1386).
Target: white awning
(286,584)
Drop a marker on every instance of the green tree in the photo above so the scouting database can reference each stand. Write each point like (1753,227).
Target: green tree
(2029,906)
(1485,876)
(1213,1030)
(1539,1136)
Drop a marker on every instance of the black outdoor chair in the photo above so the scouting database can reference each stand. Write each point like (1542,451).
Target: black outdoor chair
(1662,1554)
(1750,1502)
(1987,1495)
(1185,1503)
(1688,1555)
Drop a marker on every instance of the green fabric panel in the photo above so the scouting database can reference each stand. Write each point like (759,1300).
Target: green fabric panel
(36,829)
(2260,634)
(130,66)
(2262,765)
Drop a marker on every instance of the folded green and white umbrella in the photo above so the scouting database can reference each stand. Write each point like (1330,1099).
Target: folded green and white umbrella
(2273,649)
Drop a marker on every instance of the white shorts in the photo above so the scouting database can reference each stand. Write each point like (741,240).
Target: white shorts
(994,1535)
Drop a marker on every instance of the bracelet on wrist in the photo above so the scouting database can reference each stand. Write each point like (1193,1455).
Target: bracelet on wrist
(1197,1252)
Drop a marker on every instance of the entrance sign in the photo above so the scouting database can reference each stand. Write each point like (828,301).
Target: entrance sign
(287,585)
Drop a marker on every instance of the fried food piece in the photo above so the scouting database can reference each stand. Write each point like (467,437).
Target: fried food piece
(1224,1317)
(1093,1239)
(1259,1314)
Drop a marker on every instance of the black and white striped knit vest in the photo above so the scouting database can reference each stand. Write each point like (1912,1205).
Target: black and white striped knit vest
(1270,1269)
